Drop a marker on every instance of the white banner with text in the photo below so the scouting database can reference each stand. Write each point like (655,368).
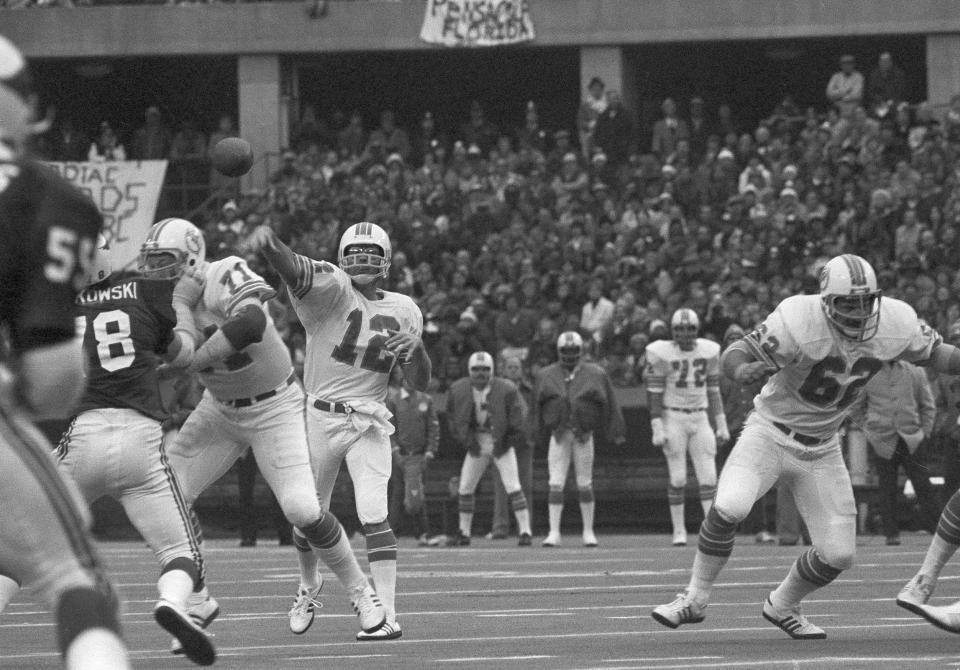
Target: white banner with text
(477,23)
(127,193)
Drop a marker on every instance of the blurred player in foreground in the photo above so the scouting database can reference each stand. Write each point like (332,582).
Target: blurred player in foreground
(48,233)
(820,351)
(683,384)
(251,398)
(356,333)
(114,446)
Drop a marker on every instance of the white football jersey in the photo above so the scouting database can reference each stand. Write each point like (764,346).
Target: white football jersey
(259,367)
(819,372)
(683,376)
(345,357)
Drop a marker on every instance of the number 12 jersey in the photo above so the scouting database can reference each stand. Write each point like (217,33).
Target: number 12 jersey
(345,355)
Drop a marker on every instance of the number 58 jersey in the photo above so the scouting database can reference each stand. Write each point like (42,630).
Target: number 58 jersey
(345,355)
(819,374)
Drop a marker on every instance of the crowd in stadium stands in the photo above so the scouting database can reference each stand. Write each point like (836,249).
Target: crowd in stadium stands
(507,236)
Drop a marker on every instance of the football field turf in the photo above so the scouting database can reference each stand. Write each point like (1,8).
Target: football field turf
(497,606)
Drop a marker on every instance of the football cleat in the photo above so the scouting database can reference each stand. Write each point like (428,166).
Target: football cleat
(461,539)
(203,609)
(916,593)
(946,618)
(525,540)
(303,610)
(367,605)
(679,538)
(589,539)
(196,644)
(682,610)
(389,631)
(792,622)
(551,540)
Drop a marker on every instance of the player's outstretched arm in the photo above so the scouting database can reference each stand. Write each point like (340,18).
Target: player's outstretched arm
(280,257)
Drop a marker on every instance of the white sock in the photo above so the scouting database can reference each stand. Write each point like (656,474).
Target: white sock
(706,567)
(8,590)
(341,561)
(385,582)
(523,520)
(677,518)
(556,513)
(586,513)
(466,523)
(96,649)
(308,562)
(792,589)
(938,553)
(706,505)
(175,586)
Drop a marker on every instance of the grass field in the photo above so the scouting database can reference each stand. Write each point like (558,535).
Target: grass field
(496,606)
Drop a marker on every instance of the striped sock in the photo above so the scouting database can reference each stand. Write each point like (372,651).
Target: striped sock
(945,540)
(807,574)
(713,550)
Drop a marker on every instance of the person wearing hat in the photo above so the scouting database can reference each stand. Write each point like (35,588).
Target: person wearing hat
(614,130)
(486,419)
(845,88)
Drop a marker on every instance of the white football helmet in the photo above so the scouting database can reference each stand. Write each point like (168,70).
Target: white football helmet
(569,348)
(684,326)
(102,265)
(362,266)
(172,246)
(850,296)
(480,368)
(17,99)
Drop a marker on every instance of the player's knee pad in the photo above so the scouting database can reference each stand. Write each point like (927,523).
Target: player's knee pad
(555,495)
(717,534)
(323,533)
(300,542)
(818,569)
(585,494)
(465,503)
(300,511)
(381,542)
(184,564)
(518,500)
(675,495)
(83,609)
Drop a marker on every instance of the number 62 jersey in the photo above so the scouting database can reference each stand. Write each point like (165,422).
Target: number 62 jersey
(819,373)
(345,357)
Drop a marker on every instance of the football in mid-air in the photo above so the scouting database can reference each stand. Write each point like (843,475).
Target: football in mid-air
(232,156)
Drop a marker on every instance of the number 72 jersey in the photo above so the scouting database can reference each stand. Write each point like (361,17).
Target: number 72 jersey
(820,374)
(345,355)
(683,376)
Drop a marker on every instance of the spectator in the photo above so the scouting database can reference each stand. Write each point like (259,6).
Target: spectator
(106,147)
(393,139)
(845,88)
(523,447)
(699,127)
(152,140)
(668,130)
(591,107)
(514,328)
(69,143)
(614,131)
(189,144)
(478,130)
(886,86)
(414,442)
(597,312)
(896,412)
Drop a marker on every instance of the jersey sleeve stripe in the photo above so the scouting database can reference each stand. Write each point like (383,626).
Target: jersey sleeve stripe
(656,384)
(759,352)
(257,289)
(304,276)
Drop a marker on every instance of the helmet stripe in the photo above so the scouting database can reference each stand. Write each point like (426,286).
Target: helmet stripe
(155,233)
(858,277)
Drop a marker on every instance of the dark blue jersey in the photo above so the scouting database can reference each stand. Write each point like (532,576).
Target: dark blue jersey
(129,320)
(48,233)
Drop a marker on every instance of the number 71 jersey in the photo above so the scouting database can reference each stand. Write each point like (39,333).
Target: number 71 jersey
(345,356)
(820,373)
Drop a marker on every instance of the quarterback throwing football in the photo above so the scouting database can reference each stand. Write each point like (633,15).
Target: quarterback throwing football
(356,333)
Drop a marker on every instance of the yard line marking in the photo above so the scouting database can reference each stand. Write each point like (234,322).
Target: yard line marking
(471,659)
